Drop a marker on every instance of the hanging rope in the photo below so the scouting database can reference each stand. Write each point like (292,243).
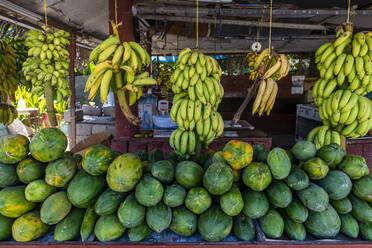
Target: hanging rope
(116,24)
(348,12)
(45,13)
(197,25)
(259,25)
(271,19)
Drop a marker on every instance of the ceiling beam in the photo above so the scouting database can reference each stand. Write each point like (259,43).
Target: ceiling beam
(234,22)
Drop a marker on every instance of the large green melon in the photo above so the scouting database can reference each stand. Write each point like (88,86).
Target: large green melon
(255,204)
(139,232)
(38,191)
(8,175)
(272,224)
(361,210)
(108,202)
(362,188)
(59,172)
(130,212)
(323,225)
(297,211)
(124,173)
(5,227)
(232,201)
(279,194)
(28,227)
(257,176)
(159,217)
(244,228)
(238,154)
(342,206)
(69,227)
(218,178)
(294,230)
(337,184)
(332,154)
(314,197)
(48,144)
(183,222)
(88,223)
(189,174)
(366,230)
(316,168)
(304,150)
(108,228)
(198,200)
(163,170)
(149,191)
(13,202)
(297,179)
(97,159)
(279,163)
(174,195)
(354,166)
(29,170)
(349,226)
(55,208)
(13,148)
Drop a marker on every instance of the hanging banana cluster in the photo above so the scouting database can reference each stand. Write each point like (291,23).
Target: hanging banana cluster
(277,67)
(20,49)
(7,113)
(8,69)
(120,67)
(346,64)
(48,61)
(251,57)
(198,92)
(323,135)
(346,76)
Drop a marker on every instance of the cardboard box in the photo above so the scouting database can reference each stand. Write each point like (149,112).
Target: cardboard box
(103,138)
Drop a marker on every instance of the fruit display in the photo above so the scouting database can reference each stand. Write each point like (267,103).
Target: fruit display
(346,76)
(268,67)
(198,92)
(298,193)
(20,49)
(7,113)
(121,68)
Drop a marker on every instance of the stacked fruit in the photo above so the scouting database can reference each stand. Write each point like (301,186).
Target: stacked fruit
(107,193)
(276,68)
(196,83)
(251,57)
(48,62)
(20,49)
(7,113)
(346,76)
(120,67)
(8,69)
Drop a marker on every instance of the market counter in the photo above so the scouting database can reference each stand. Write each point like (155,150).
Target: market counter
(131,145)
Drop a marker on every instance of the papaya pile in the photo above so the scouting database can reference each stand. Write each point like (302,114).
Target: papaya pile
(104,194)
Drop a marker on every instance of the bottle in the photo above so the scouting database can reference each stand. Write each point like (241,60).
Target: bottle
(149,109)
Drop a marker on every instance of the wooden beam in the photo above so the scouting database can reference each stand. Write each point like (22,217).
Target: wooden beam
(72,51)
(235,22)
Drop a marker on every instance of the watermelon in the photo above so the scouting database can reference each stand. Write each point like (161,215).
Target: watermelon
(272,224)
(28,227)
(38,191)
(349,226)
(361,210)
(366,230)
(238,154)
(256,150)
(108,202)
(218,178)
(314,197)
(337,184)
(69,227)
(362,188)
(97,159)
(174,195)
(304,150)
(294,230)
(296,211)
(55,208)
(297,179)
(84,189)
(124,173)
(214,224)
(189,174)
(29,170)
(159,217)
(342,206)
(279,194)
(8,175)
(316,168)
(131,213)
(244,228)
(232,201)
(88,223)
(255,204)
(257,176)
(143,156)
(262,156)
(354,166)
(13,202)
(13,148)
(198,200)
(108,228)
(323,225)
(5,227)
(59,172)
(279,163)
(156,155)
(149,191)
(139,232)
(163,170)
(183,222)
(48,144)
(332,154)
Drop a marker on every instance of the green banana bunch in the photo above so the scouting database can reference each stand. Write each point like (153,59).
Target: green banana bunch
(198,92)
(120,67)
(8,70)
(7,113)
(185,143)
(323,135)
(20,49)
(48,61)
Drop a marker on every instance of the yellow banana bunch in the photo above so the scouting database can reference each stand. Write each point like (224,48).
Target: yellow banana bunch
(20,49)
(265,98)
(120,67)
(48,61)
(8,70)
(323,135)
(7,113)
(198,92)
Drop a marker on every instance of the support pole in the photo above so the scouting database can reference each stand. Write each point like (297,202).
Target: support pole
(72,51)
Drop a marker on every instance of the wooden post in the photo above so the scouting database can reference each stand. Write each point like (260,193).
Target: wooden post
(126,33)
(72,51)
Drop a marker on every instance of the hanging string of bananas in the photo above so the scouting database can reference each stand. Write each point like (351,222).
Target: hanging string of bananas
(346,76)
(198,92)
(20,49)
(276,68)
(48,62)
(120,67)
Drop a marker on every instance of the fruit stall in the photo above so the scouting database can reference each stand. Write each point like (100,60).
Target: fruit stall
(200,155)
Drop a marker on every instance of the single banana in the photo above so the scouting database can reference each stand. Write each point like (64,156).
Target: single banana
(260,92)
